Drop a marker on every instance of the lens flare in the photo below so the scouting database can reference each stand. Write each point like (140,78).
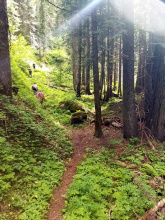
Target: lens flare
(149,14)
(73,22)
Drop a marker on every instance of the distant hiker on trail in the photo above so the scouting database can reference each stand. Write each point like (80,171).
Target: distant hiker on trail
(40,95)
(34,88)
(34,66)
(30,71)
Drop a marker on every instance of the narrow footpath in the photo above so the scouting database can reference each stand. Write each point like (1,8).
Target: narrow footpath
(81,139)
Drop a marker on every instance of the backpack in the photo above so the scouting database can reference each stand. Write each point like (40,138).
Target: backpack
(35,87)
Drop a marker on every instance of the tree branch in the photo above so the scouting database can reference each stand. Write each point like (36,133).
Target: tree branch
(56,6)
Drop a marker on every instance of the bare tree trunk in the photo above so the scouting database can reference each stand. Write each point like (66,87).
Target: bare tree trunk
(120,58)
(148,82)
(129,113)
(115,71)
(110,45)
(156,96)
(142,61)
(111,48)
(102,78)
(74,58)
(108,71)
(5,71)
(98,130)
(83,53)
(88,59)
(79,62)
(83,69)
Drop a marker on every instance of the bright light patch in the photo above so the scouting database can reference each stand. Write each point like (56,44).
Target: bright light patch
(73,22)
(149,14)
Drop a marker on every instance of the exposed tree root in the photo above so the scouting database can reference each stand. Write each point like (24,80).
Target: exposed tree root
(132,166)
(153,211)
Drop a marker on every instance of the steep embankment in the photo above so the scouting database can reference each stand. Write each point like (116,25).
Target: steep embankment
(33,147)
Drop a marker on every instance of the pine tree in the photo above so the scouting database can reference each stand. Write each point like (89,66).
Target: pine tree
(129,113)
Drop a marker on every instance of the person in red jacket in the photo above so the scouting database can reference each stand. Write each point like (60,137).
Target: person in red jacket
(40,95)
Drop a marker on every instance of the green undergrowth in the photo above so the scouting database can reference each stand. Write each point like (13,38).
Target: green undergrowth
(27,178)
(32,149)
(113,107)
(33,143)
(103,187)
(44,77)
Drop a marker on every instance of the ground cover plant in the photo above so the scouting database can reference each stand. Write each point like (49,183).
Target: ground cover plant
(33,144)
(31,160)
(112,186)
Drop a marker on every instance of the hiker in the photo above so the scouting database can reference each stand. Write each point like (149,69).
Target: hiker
(34,88)
(34,66)
(40,95)
(30,71)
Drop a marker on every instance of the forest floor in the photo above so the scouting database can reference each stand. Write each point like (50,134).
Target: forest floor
(82,138)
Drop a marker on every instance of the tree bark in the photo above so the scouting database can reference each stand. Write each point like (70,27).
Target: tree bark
(120,60)
(74,58)
(102,77)
(156,102)
(110,49)
(83,53)
(98,130)
(5,70)
(129,113)
(142,62)
(88,59)
(115,71)
(79,62)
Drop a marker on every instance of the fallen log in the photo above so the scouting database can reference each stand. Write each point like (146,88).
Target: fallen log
(90,111)
(56,87)
(93,113)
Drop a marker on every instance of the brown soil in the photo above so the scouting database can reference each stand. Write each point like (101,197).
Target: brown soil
(81,139)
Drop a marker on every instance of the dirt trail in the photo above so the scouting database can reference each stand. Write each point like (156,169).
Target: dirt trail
(81,139)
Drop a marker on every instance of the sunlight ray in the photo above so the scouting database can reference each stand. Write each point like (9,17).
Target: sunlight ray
(72,23)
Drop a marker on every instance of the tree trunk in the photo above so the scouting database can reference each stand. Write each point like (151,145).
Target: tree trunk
(148,82)
(74,58)
(129,113)
(156,116)
(98,131)
(79,62)
(102,78)
(115,71)
(120,58)
(88,59)
(5,71)
(106,98)
(83,54)
(142,61)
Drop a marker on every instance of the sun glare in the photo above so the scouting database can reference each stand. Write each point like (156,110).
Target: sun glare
(149,14)
(73,22)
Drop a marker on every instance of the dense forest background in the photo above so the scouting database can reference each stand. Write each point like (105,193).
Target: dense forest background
(107,48)
(103,60)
